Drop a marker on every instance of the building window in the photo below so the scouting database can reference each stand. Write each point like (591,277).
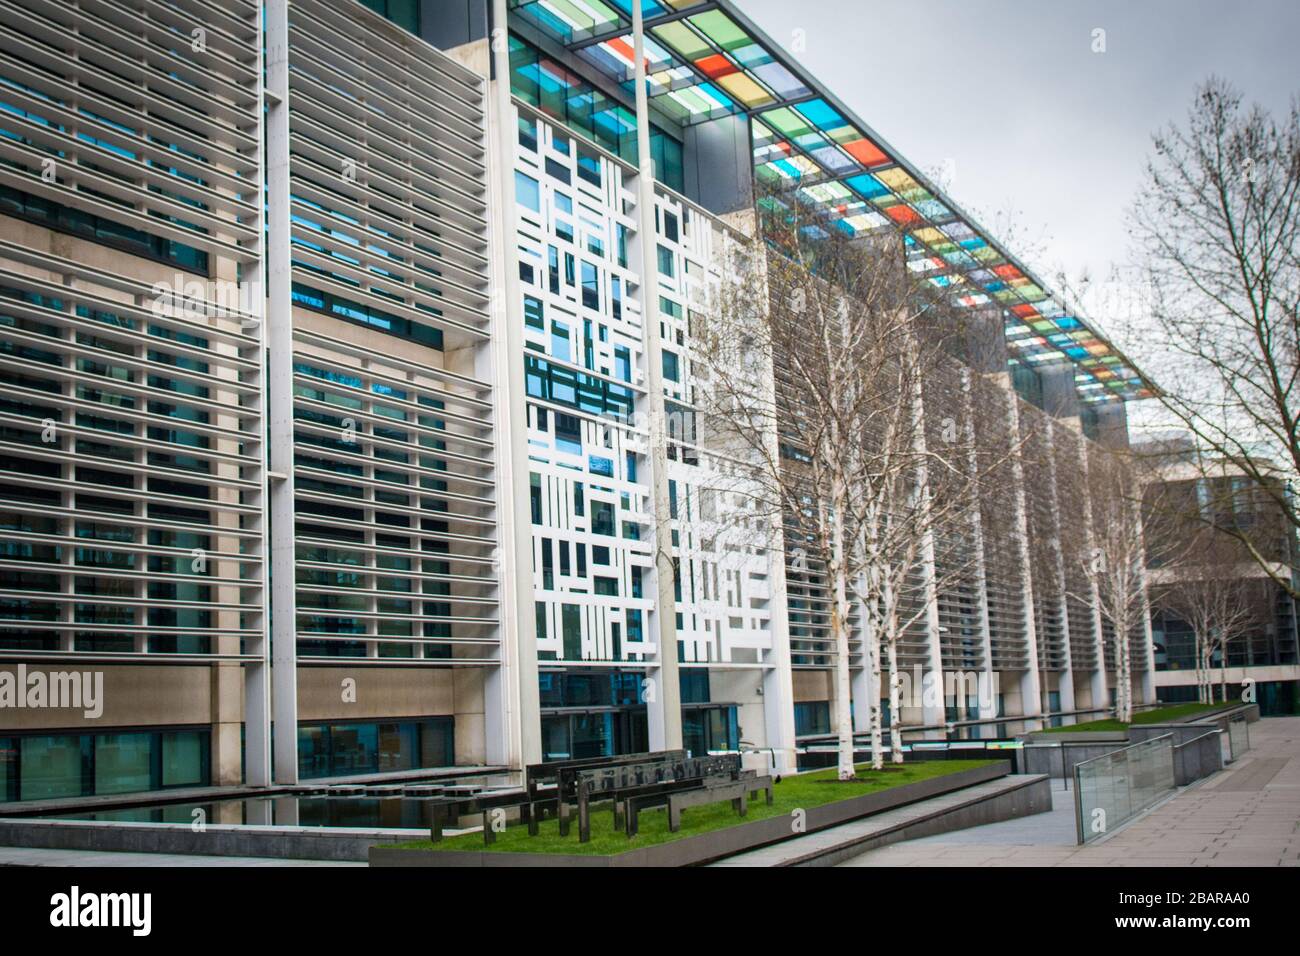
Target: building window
(47,766)
(588,166)
(405,13)
(812,717)
(579,106)
(590,287)
(528,133)
(526,192)
(365,747)
(62,218)
(533,313)
(665,262)
(671,367)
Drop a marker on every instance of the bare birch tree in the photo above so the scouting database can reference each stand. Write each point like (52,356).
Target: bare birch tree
(1206,579)
(1116,566)
(848,337)
(812,312)
(1217,224)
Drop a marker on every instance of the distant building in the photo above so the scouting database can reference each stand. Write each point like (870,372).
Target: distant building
(1204,500)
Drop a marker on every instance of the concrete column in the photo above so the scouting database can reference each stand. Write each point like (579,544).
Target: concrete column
(512,705)
(1030,689)
(932,680)
(1100,697)
(987,691)
(664,711)
(778,681)
(1061,401)
(1066,678)
(279,338)
(256,703)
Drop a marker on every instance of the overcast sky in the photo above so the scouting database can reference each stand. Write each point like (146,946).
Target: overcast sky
(1009,97)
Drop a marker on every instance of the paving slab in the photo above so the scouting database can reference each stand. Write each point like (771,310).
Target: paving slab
(1248,814)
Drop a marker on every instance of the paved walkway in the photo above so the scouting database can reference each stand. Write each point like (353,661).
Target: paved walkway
(841,838)
(1246,815)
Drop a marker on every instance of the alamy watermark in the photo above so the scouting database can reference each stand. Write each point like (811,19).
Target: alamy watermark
(55,690)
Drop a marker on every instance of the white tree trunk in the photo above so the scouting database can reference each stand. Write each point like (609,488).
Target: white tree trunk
(843,715)
(895,701)
(871,647)
(1200,667)
(877,719)
(1124,689)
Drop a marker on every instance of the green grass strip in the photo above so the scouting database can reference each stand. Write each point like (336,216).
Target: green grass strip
(1161,715)
(801,791)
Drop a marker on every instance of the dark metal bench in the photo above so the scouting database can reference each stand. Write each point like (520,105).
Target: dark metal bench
(737,792)
(562,774)
(455,801)
(633,787)
(444,809)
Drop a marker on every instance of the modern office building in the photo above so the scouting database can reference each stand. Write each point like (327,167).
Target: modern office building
(346,422)
(1212,576)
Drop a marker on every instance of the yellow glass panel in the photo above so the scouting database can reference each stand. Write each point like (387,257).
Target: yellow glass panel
(897,179)
(744,89)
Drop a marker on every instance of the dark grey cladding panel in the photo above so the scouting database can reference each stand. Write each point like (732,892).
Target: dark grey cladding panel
(719,164)
(450,23)
(1060,397)
(1112,424)
(986,342)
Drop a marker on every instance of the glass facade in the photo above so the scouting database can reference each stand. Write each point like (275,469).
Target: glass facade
(50,766)
(340,749)
(812,717)
(580,106)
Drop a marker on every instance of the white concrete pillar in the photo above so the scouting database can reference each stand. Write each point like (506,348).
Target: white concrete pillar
(988,699)
(932,690)
(257,676)
(664,711)
(279,339)
(1030,690)
(1097,681)
(512,697)
(778,680)
(1066,677)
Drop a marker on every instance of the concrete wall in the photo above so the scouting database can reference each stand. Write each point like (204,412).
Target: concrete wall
(133,696)
(811,685)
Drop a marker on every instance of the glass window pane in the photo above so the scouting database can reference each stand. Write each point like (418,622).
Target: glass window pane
(313,752)
(182,760)
(51,767)
(397,746)
(354,748)
(123,763)
(8,768)
(437,742)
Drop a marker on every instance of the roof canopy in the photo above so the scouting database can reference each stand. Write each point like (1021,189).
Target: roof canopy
(705,60)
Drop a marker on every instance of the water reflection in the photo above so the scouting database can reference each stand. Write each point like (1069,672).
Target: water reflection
(398,811)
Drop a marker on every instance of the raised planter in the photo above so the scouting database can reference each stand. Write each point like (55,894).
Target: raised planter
(1198,757)
(706,847)
(289,843)
(1055,756)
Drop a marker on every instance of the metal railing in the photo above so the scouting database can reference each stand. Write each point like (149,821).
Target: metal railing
(1238,737)
(1114,788)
